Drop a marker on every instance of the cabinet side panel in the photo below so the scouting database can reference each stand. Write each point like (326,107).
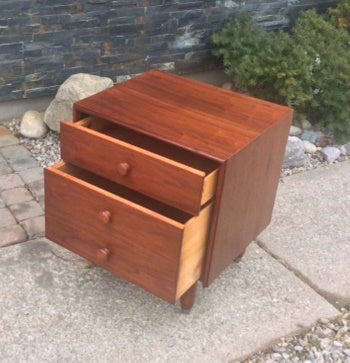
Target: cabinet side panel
(247,198)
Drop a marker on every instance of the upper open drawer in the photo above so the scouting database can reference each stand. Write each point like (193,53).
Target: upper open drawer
(164,172)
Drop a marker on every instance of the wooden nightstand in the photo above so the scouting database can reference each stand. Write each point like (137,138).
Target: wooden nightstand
(165,181)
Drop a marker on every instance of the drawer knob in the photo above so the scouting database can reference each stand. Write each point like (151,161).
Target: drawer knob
(103,254)
(105,216)
(123,168)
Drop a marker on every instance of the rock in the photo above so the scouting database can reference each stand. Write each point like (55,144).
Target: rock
(75,88)
(331,153)
(310,148)
(324,141)
(227,85)
(33,125)
(295,131)
(311,136)
(347,148)
(295,153)
(306,125)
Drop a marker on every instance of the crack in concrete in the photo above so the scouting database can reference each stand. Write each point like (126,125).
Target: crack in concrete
(333,299)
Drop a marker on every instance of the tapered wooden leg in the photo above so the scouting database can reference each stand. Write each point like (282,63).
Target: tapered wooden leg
(188,298)
(239,257)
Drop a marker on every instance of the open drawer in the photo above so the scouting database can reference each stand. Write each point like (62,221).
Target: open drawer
(152,167)
(139,239)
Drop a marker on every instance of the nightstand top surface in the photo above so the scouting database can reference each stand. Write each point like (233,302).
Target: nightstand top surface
(208,120)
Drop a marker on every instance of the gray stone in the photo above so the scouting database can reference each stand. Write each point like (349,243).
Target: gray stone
(75,88)
(347,148)
(16,195)
(2,203)
(26,210)
(331,153)
(31,175)
(295,153)
(251,304)
(310,230)
(35,227)
(311,136)
(295,131)
(11,235)
(37,188)
(6,218)
(19,157)
(309,147)
(33,125)
(10,181)
(306,125)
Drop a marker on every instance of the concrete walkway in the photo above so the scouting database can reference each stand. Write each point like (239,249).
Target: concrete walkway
(54,309)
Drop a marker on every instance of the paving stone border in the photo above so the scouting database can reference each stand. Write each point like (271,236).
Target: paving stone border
(21,192)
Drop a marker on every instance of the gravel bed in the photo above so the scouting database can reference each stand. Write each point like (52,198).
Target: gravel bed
(327,341)
(45,150)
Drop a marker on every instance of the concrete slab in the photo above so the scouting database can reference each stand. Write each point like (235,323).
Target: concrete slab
(310,230)
(54,311)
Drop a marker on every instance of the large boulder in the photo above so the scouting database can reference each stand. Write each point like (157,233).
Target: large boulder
(75,88)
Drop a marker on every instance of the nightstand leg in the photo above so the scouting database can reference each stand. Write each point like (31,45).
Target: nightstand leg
(188,298)
(239,257)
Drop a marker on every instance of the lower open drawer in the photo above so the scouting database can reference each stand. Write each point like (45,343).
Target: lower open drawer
(141,240)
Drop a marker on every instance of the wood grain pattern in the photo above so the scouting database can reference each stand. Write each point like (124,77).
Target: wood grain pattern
(164,179)
(207,120)
(245,201)
(193,250)
(137,244)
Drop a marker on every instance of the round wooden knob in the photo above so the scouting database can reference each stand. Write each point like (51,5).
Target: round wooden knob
(105,216)
(103,254)
(123,168)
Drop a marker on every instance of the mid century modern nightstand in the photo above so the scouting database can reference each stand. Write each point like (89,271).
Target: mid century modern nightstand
(165,180)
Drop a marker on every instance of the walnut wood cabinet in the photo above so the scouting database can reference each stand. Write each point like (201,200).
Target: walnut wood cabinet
(165,181)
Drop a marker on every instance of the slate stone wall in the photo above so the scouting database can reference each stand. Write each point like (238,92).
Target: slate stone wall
(43,42)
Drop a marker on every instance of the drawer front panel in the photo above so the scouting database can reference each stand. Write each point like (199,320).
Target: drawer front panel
(136,244)
(168,181)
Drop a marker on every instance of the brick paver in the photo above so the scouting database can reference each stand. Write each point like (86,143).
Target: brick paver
(6,218)
(35,227)
(11,235)
(6,138)
(26,210)
(16,195)
(18,157)
(10,181)
(37,188)
(32,175)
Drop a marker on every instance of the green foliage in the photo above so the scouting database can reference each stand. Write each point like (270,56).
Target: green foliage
(341,15)
(308,69)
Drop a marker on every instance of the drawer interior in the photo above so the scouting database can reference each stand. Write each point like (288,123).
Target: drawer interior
(149,143)
(124,192)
